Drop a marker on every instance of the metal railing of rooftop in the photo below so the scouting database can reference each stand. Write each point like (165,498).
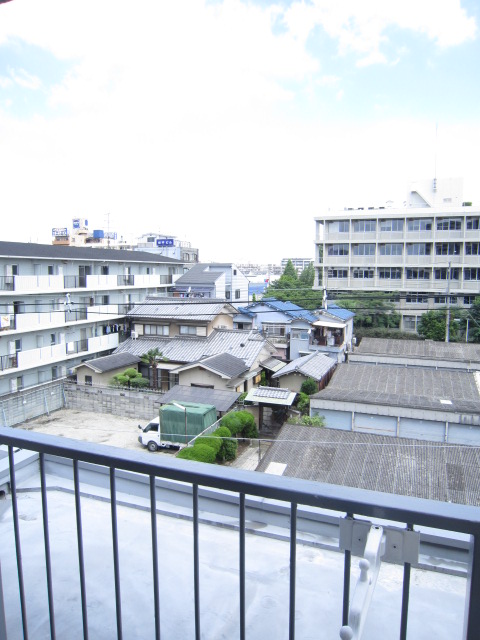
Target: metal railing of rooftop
(294,493)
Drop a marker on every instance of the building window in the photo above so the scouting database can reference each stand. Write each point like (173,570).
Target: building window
(391,225)
(390,274)
(362,273)
(419,224)
(273,329)
(337,250)
(19,383)
(337,273)
(442,274)
(443,300)
(156,329)
(343,226)
(394,249)
(227,295)
(472,248)
(449,224)
(471,274)
(418,274)
(88,380)
(416,298)
(473,224)
(447,249)
(188,330)
(363,249)
(419,249)
(237,294)
(364,226)
(410,323)
(299,334)
(469,299)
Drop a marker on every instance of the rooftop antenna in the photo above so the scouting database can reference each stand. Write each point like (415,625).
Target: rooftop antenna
(108,230)
(436,146)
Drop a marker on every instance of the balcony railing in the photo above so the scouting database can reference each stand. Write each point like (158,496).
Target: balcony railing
(296,501)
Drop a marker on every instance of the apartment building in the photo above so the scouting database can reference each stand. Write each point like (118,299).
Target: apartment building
(62,305)
(425,253)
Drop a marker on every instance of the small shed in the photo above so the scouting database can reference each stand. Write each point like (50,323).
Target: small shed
(180,422)
(273,399)
(101,370)
(317,366)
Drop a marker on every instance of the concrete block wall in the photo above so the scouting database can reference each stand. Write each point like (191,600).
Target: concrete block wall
(121,402)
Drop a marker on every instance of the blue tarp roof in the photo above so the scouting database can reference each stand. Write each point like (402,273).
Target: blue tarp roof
(338,312)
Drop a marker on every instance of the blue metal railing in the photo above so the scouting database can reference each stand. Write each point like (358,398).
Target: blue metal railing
(292,492)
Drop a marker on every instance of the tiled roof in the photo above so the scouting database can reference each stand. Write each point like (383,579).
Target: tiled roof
(200,274)
(181,308)
(246,345)
(440,390)
(315,365)
(401,466)
(225,364)
(288,308)
(109,363)
(420,349)
(338,312)
(33,250)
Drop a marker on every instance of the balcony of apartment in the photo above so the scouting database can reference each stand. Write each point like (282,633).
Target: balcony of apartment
(367,261)
(414,260)
(22,360)
(102,542)
(49,284)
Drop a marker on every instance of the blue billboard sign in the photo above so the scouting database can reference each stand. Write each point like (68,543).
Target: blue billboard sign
(60,231)
(77,222)
(164,242)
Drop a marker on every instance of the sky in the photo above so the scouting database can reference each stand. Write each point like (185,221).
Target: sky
(230,124)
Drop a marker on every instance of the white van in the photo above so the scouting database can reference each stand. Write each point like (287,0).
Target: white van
(150,437)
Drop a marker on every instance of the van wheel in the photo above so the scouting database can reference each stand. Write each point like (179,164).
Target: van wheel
(152,446)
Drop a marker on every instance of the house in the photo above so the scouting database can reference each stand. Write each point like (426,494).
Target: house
(100,371)
(214,280)
(63,305)
(316,365)
(424,404)
(425,354)
(296,331)
(425,254)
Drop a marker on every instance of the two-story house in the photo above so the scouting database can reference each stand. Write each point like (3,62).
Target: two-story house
(214,280)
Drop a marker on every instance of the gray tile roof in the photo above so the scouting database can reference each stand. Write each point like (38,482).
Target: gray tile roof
(33,250)
(246,345)
(198,274)
(225,364)
(221,399)
(109,363)
(400,466)
(181,308)
(315,365)
(420,349)
(405,387)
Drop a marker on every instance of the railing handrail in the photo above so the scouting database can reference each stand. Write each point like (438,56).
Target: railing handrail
(428,513)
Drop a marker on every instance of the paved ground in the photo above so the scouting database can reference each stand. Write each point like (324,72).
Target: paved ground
(117,431)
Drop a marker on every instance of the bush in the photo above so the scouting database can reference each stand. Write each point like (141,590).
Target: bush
(200,453)
(309,386)
(307,421)
(233,422)
(139,383)
(303,402)
(241,423)
(212,441)
(131,373)
(228,450)
(120,380)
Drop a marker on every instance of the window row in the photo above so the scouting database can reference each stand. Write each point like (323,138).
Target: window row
(411,249)
(472,223)
(395,273)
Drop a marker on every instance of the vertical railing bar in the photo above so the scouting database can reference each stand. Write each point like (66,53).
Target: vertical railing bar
(405,595)
(81,559)
(293,567)
(242,565)
(196,562)
(18,549)
(156,590)
(116,561)
(347,563)
(3,622)
(472,610)
(46,536)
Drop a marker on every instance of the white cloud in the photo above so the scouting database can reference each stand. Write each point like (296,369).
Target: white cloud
(25,79)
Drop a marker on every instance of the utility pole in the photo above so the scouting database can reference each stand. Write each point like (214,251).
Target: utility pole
(447,320)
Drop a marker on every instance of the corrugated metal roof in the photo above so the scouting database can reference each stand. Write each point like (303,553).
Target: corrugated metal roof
(246,345)
(420,349)
(181,308)
(221,399)
(405,387)
(288,308)
(338,312)
(315,365)
(33,250)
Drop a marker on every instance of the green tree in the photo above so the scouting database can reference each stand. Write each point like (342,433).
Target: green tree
(372,310)
(130,377)
(473,317)
(307,277)
(290,271)
(152,358)
(298,290)
(432,325)
(309,386)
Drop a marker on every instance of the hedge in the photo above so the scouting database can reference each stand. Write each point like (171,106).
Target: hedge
(200,453)
(212,441)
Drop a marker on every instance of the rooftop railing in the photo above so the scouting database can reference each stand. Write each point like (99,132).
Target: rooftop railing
(353,505)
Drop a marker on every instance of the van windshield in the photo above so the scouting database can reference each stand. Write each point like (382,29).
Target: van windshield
(151,426)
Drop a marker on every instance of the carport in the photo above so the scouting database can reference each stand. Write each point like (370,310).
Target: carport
(272,397)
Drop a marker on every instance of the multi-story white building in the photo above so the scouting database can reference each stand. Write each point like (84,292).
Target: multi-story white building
(60,306)
(299,263)
(426,253)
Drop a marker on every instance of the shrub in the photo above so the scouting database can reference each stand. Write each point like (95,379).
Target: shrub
(120,380)
(241,423)
(233,422)
(228,450)
(200,453)
(131,373)
(211,441)
(307,421)
(309,386)
(139,383)
(303,402)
